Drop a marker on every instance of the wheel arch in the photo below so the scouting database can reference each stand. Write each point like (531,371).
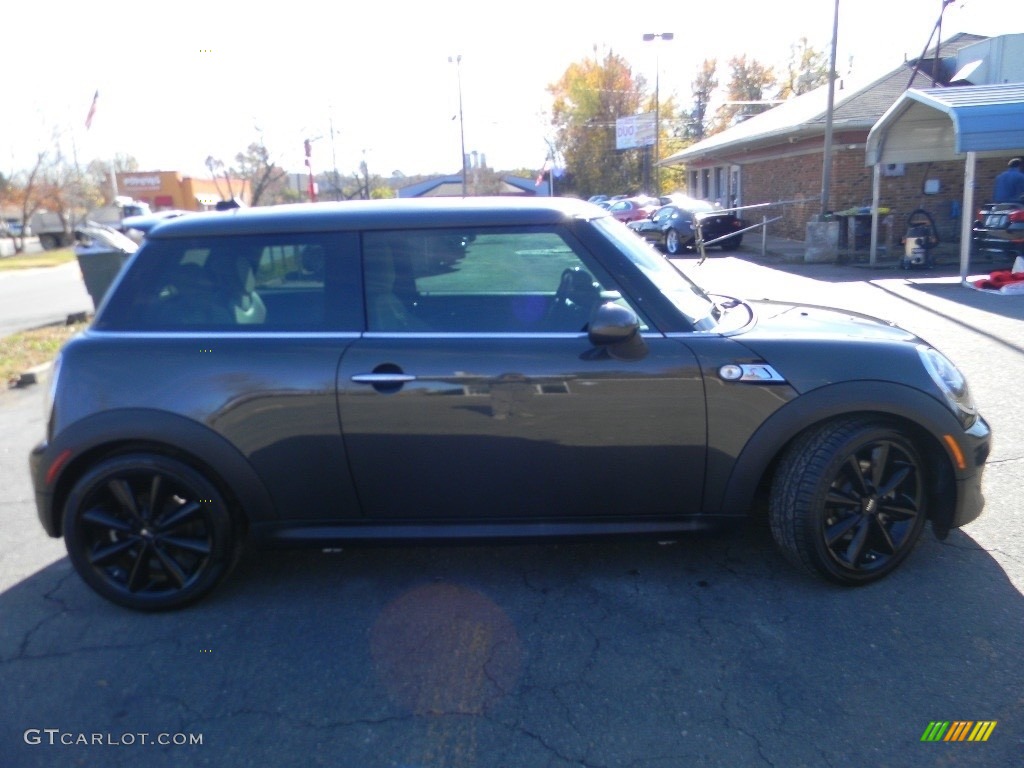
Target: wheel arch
(923,417)
(119,432)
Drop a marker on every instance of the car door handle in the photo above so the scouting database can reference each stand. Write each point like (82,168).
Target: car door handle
(383,378)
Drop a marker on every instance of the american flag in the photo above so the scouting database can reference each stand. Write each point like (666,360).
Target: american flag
(92,110)
(543,169)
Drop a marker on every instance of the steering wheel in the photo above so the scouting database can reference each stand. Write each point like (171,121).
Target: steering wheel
(568,303)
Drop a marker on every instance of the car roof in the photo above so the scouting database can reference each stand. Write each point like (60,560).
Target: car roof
(378,214)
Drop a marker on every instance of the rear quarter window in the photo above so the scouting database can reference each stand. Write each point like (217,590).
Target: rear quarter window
(251,283)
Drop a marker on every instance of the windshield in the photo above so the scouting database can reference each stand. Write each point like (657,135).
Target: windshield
(688,297)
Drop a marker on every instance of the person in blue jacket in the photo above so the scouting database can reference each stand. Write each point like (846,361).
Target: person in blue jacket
(1010,183)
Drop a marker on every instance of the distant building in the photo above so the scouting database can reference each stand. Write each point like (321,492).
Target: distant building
(451,186)
(166,190)
(777,155)
(480,180)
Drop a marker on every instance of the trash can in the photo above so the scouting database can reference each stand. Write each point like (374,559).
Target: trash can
(101,252)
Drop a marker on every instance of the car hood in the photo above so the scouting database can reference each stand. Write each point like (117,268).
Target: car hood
(802,321)
(810,346)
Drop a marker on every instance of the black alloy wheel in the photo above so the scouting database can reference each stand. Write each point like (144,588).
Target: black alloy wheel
(848,501)
(148,532)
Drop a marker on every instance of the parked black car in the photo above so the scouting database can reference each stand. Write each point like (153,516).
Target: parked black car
(673,227)
(477,369)
(999,230)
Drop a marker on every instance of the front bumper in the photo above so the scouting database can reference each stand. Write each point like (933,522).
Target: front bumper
(975,445)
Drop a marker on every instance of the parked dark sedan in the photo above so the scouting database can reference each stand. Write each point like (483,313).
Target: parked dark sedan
(673,227)
(476,369)
(999,230)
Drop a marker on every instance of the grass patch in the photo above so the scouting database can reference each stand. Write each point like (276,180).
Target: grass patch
(52,258)
(21,351)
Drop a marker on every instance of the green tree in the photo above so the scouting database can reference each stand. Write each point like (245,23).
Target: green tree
(588,99)
(806,70)
(750,83)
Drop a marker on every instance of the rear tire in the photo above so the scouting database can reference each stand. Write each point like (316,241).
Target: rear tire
(848,500)
(672,243)
(148,532)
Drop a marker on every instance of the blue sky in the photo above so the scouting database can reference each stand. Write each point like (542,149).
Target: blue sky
(184,80)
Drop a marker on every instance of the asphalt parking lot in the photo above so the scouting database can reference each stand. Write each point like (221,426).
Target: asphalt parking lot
(705,651)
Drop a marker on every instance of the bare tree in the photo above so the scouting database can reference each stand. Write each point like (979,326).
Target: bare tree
(704,88)
(217,171)
(262,174)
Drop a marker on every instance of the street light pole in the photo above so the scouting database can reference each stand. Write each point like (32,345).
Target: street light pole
(648,37)
(457,60)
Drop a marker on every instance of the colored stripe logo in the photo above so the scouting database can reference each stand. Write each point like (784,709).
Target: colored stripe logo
(959,730)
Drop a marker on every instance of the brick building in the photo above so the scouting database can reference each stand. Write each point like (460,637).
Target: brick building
(777,155)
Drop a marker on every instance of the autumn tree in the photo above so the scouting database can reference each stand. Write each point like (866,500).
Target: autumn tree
(590,96)
(750,84)
(806,70)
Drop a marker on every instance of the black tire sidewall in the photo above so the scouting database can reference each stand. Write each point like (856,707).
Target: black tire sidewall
(217,515)
(798,498)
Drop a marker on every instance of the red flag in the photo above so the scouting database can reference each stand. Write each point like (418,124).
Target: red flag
(543,169)
(92,110)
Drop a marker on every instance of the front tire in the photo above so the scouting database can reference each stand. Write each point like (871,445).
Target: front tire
(848,502)
(148,532)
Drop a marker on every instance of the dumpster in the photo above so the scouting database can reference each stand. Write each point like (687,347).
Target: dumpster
(101,252)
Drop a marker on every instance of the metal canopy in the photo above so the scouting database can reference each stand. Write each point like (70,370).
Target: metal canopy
(946,123)
(932,124)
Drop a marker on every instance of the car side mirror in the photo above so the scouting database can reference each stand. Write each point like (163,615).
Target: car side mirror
(612,323)
(616,329)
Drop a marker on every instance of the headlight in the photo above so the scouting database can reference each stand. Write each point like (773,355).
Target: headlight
(952,384)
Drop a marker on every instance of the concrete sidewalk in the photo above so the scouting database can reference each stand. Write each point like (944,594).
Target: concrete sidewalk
(781,252)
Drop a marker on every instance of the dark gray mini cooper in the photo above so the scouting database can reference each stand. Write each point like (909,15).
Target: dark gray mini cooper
(477,369)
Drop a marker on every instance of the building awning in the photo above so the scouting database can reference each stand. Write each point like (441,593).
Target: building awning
(935,124)
(932,124)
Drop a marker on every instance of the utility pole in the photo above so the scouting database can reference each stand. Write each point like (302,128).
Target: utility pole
(826,165)
(457,60)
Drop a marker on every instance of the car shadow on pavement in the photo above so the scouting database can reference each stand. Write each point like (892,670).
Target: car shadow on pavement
(709,650)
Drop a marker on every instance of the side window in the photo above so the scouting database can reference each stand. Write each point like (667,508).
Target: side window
(250,283)
(480,281)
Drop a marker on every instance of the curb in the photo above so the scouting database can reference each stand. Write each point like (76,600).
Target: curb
(36,373)
(32,376)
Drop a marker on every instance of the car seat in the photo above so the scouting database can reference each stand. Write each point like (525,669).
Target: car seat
(385,311)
